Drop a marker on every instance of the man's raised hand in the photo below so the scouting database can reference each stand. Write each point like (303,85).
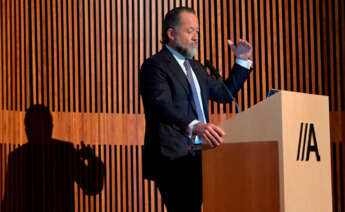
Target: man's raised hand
(243,50)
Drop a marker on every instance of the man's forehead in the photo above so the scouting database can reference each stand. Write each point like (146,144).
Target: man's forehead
(189,19)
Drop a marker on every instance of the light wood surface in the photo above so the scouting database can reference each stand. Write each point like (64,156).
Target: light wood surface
(241,177)
(305,182)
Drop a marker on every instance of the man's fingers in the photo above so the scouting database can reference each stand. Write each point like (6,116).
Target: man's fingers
(246,44)
(208,140)
(231,44)
(211,140)
(210,133)
(213,137)
(219,130)
(214,133)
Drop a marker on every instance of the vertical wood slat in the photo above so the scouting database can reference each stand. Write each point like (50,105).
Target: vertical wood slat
(49,63)
(108,68)
(130,49)
(86,43)
(330,53)
(250,40)
(135,55)
(1,61)
(256,51)
(218,37)
(337,57)
(44,51)
(125,58)
(312,48)
(54,57)
(103,91)
(293,45)
(245,33)
(211,32)
(98,51)
(59,53)
(280,40)
(35,47)
(2,171)
(119,60)
(9,56)
(74,41)
(17,57)
(70,55)
(274,43)
(38,29)
(65,52)
(287,67)
(305,47)
(4,57)
(323,17)
(265,69)
(12,52)
(341,10)
(225,37)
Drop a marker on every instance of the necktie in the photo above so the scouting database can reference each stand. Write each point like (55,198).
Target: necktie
(196,99)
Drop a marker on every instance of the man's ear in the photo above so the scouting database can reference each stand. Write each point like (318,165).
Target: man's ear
(171,34)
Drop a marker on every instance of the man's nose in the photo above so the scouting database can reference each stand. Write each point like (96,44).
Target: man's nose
(195,37)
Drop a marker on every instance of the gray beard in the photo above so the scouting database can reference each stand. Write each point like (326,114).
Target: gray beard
(184,51)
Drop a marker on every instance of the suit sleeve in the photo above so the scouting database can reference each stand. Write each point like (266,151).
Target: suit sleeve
(237,76)
(157,97)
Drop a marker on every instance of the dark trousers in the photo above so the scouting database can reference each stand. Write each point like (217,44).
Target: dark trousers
(180,184)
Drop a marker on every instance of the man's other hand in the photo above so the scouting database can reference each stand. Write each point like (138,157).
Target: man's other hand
(243,50)
(211,133)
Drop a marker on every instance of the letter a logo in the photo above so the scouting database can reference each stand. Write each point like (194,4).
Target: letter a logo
(307,134)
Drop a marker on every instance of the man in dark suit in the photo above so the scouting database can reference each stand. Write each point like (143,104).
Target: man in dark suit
(175,91)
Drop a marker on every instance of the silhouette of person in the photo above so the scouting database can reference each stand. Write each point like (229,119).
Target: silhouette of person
(41,173)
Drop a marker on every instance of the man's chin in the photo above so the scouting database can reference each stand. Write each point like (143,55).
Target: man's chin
(190,54)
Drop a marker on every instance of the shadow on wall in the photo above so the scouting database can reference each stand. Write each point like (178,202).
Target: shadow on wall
(41,173)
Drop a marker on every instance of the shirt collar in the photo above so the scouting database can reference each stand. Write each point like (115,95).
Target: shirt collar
(179,57)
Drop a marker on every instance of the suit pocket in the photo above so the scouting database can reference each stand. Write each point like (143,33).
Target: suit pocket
(173,144)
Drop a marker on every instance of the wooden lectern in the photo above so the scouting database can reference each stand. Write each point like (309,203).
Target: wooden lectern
(276,157)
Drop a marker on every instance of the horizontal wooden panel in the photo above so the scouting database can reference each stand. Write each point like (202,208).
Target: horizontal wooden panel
(91,128)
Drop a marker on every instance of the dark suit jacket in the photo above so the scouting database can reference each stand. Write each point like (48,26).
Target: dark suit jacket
(169,106)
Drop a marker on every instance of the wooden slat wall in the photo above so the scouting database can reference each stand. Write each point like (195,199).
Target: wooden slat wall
(81,59)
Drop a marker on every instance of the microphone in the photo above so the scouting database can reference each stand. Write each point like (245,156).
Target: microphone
(213,70)
(215,73)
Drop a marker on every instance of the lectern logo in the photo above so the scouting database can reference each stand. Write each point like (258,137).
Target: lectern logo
(309,145)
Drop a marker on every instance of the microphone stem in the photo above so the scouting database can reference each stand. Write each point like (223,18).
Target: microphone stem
(215,72)
(232,97)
